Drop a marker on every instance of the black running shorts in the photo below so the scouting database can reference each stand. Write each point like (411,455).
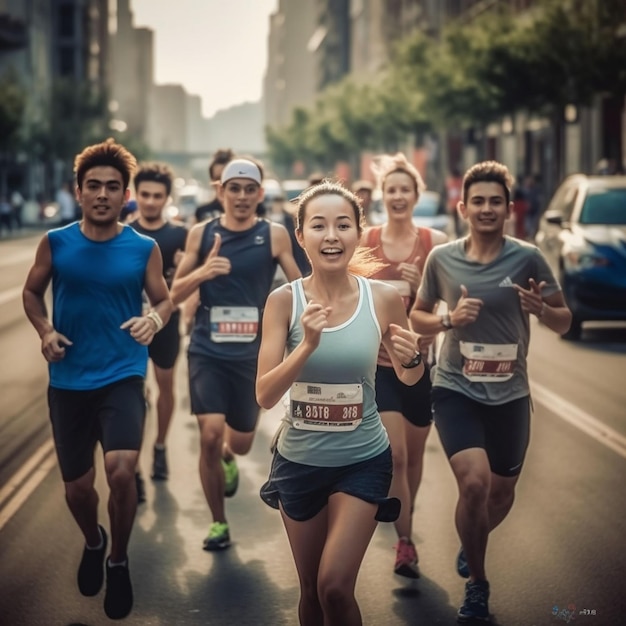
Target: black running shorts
(163,350)
(113,415)
(413,401)
(502,430)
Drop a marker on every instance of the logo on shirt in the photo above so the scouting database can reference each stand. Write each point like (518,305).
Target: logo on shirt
(507,282)
(259,240)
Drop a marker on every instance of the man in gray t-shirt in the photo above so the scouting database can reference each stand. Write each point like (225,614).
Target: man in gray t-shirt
(491,284)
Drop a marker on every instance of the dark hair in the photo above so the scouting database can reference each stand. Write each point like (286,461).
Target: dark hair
(363,262)
(155,173)
(325,188)
(488,172)
(221,157)
(107,153)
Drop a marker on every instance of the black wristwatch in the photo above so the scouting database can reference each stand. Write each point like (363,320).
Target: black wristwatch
(446,322)
(414,362)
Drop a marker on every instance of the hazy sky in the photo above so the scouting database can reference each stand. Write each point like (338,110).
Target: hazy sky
(216,49)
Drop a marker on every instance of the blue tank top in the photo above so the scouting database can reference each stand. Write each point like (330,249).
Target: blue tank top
(227,321)
(96,287)
(346,354)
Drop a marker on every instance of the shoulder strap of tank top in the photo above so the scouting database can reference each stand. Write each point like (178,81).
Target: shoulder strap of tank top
(426,238)
(366,287)
(297,295)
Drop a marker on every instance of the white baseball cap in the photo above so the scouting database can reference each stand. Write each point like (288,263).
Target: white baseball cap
(241,168)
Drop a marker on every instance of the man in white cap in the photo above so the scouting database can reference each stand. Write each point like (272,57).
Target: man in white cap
(231,259)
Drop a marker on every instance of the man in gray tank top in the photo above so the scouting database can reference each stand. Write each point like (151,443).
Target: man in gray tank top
(491,284)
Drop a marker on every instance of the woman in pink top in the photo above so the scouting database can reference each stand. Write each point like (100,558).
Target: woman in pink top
(405,411)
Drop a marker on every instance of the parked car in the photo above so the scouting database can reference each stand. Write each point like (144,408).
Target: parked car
(583,235)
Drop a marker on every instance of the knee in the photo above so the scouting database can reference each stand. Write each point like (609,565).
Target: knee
(333,593)
(502,497)
(211,441)
(78,491)
(120,475)
(474,489)
(399,459)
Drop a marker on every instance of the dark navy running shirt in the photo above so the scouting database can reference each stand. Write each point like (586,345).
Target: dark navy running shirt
(228,319)
(170,238)
(96,287)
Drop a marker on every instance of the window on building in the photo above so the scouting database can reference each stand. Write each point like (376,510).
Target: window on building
(65,22)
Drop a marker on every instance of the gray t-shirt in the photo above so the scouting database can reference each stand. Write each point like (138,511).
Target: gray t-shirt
(485,360)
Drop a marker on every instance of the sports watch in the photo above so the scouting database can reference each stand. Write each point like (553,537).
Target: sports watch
(414,362)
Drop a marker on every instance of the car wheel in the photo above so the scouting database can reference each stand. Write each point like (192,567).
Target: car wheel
(575,330)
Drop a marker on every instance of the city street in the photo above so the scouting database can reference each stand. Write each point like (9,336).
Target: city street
(563,546)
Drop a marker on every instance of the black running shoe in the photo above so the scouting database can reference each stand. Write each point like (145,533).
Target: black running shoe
(462,568)
(91,569)
(159,465)
(476,604)
(118,600)
(141,488)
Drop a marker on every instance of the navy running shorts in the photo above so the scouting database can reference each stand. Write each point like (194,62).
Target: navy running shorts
(224,387)
(303,490)
(413,401)
(113,415)
(165,345)
(502,430)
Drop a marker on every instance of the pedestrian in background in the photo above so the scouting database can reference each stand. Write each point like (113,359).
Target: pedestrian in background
(363,190)
(67,204)
(232,260)
(491,283)
(331,470)
(96,347)
(402,249)
(153,186)
(454,186)
(6,216)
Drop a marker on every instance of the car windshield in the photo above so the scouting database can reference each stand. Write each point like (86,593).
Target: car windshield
(605,206)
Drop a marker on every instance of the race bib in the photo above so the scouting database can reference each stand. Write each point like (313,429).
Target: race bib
(326,407)
(488,362)
(234,324)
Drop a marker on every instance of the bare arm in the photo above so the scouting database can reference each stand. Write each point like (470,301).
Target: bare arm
(401,342)
(282,250)
(143,328)
(188,275)
(276,372)
(33,297)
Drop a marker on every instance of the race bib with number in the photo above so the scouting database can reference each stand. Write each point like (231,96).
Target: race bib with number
(327,407)
(234,324)
(488,362)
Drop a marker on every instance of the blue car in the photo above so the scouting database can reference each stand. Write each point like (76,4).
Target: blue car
(583,235)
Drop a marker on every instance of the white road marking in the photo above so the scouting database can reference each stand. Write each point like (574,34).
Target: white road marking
(26,480)
(10,294)
(580,419)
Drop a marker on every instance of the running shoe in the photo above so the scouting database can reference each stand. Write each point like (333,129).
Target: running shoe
(475,606)
(141,488)
(91,569)
(406,559)
(159,464)
(118,600)
(231,477)
(218,537)
(462,568)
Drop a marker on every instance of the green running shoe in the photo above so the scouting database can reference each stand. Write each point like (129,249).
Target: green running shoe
(231,477)
(218,537)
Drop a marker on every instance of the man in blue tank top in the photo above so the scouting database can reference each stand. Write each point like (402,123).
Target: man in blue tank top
(96,345)
(232,261)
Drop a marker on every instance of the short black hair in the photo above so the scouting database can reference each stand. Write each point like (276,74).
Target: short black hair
(154,172)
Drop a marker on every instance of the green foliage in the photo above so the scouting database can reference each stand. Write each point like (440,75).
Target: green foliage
(12,103)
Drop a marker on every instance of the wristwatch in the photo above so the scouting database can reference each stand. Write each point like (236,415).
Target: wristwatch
(414,362)
(446,322)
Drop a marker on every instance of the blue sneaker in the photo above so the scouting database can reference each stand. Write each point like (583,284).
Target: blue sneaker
(475,606)
(461,564)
